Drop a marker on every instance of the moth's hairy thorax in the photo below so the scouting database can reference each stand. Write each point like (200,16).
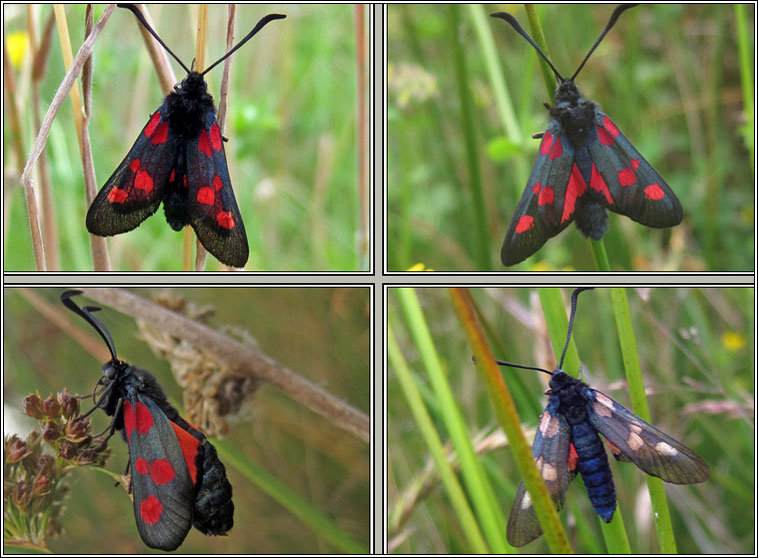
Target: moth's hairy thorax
(188,104)
(575,114)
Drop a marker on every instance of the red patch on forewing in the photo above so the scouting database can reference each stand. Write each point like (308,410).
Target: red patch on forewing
(161,134)
(173,175)
(546,196)
(597,183)
(547,142)
(627,177)
(611,127)
(140,466)
(635,164)
(217,184)
(144,420)
(117,195)
(654,192)
(143,181)
(576,188)
(203,145)
(190,447)
(604,137)
(206,195)
(524,224)
(161,471)
(215,138)
(225,219)
(135,165)
(150,510)
(155,119)
(128,419)
(536,188)
(557,149)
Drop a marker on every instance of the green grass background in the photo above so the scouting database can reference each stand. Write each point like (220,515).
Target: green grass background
(321,334)
(696,354)
(291,125)
(668,75)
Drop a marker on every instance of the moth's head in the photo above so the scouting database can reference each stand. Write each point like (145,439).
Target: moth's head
(567,92)
(559,379)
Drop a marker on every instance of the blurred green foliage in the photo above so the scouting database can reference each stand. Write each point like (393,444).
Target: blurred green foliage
(669,76)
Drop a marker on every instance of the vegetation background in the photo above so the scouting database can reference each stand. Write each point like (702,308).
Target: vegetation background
(672,77)
(322,334)
(291,125)
(695,348)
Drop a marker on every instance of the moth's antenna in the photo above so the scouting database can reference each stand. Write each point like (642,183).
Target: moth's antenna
(513,365)
(574,296)
(86,313)
(138,14)
(611,22)
(264,20)
(515,24)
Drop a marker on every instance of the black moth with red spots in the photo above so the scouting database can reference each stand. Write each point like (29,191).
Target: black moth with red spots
(584,166)
(177,478)
(178,159)
(568,442)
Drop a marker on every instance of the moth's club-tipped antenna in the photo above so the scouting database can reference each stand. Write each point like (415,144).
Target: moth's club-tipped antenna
(611,22)
(574,297)
(262,23)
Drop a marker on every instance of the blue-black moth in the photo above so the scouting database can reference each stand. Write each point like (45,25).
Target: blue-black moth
(567,442)
(584,166)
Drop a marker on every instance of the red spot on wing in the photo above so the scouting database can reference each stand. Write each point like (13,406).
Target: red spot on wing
(635,164)
(576,188)
(203,144)
(573,458)
(128,419)
(161,134)
(217,184)
(161,471)
(225,219)
(144,419)
(524,224)
(215,138)
(611,127)
(615,450)
(190,447)
(140,466)
(117,195)
(184,182)
(143,181)
(206,195)
(173,175)
(597,183)
(654,192)
(557,150)
(546,196)
(155,119)
(604,137)
(547,142)
(150,510)
(536,188)
(135,165)
(627,177)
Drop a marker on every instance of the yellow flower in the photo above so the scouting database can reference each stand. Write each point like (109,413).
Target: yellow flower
(732,340)
(18,43)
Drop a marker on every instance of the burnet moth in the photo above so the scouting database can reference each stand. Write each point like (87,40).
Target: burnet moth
(178,159)
(177,478)
(584,166)
(568,442)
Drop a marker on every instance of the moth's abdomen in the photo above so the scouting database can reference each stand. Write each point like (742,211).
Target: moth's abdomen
(593,466)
